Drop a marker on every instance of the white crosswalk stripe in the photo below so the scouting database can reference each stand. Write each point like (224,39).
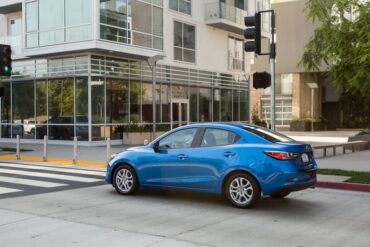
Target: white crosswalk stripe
(17,180)
(7,190)
(56,169)
(30,182)
(50,175)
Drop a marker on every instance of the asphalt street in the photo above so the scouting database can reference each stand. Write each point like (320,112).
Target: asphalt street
(98,216)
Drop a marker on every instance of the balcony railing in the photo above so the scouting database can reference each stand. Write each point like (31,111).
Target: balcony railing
(15,42)
(224,11)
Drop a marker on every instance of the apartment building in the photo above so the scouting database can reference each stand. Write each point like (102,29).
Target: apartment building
(80,67)
(299,94)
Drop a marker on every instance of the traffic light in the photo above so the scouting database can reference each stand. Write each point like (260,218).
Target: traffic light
(5,60)
(261,80)
(253,33)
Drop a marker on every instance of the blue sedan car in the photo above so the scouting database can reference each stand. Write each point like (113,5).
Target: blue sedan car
(240,161)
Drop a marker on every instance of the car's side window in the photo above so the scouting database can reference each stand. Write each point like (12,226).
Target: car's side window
(218,137)
(179,139)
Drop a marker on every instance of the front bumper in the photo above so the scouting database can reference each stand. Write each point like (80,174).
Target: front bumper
(108,174)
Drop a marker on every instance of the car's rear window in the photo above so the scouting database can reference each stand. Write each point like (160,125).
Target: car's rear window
(268,135)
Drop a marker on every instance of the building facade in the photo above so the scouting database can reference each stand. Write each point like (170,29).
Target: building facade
(295,97)
(80,67)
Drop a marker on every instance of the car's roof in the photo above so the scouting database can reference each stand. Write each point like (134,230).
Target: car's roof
(221,125)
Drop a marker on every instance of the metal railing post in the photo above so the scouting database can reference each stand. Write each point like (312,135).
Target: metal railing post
(108,148)
(45,156)
(74,161)
(18,150)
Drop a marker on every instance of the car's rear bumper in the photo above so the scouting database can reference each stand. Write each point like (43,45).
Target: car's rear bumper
(295,187)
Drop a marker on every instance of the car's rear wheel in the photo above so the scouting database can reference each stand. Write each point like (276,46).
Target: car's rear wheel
(242,190)
(280,195)
(125,180)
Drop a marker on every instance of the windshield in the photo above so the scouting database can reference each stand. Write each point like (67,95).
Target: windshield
(268,135)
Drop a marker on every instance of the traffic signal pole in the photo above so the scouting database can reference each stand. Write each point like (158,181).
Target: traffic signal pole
(272,64)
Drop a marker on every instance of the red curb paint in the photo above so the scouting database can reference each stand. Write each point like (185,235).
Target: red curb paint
(344,186)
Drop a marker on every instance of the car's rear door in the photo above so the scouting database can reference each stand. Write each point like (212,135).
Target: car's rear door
(215,154)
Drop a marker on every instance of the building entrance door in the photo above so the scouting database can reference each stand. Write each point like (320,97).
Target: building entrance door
(180,112)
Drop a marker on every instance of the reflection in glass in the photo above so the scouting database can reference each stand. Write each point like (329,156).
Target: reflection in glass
(23,109)
(117,101)
(244,106)
(216,105)
(193,104)
(61,99)
(41,107)
(81,91)
(205,104)
(236,105)
(226,105)
(97,100)
(135,99)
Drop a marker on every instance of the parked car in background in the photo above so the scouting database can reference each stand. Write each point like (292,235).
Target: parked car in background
(29,126)
(240,161)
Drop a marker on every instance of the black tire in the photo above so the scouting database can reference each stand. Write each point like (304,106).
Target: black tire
(251,188)
(131,183)
(280,195)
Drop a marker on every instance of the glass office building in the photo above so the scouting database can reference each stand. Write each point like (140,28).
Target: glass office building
(93,97)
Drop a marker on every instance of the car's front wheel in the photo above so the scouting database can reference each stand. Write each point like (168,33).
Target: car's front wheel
(242,190)
(125,180)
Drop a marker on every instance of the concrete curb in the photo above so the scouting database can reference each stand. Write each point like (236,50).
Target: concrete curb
(344,186)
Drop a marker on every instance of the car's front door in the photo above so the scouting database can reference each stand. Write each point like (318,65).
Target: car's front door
(170,160)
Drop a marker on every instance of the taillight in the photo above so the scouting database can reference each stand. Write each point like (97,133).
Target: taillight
(281,155)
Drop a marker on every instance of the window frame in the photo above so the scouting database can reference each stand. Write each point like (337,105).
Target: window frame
(183,48)
(201,136)
(178,7)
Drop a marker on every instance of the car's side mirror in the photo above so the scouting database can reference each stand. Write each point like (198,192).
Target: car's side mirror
(156,147)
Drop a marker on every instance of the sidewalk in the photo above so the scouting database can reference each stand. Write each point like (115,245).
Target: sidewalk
(359,161)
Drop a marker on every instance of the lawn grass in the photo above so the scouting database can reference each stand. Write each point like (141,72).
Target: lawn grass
(356,177)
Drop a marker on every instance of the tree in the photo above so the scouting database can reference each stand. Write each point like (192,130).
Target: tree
(342,42)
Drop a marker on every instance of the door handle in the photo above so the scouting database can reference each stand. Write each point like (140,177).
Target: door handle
(229,154)
(182,156)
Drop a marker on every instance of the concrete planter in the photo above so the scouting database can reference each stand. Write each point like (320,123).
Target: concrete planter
(137,138)
(306,126)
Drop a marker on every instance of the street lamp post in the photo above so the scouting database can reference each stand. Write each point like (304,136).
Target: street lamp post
(153,65)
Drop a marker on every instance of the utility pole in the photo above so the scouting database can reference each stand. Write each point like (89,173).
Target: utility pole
(272,64)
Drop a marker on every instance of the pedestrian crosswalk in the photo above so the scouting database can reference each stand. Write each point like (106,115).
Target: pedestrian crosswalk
(21,179)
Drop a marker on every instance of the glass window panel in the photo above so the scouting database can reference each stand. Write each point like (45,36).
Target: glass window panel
(189,56)
(31,16)
(179,139)
(141,39)
(178,54)
(174,4)
(51,14)
(114,12)
(135,101)
(141,17)
(157,21)
(117,101)
(205,104)
(178,41)
(98,132)
(236,105)
(97,100)
(244,106)
(81,92)
(217,137)
(158,43)
(32,39)
(165,103)
(41,107)
(78,33)
(23,108)
(226,107)
(61,101)
(82,132)
(193,104)
(5,104)
(61,132)
(78,12)
(189,36)
(216,105)
(51,37)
